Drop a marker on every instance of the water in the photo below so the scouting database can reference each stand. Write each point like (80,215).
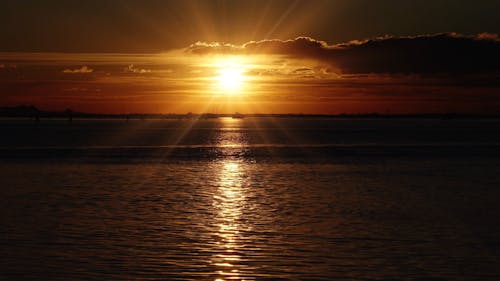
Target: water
(250,199)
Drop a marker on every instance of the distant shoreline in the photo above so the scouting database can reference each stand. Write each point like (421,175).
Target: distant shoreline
(31,112)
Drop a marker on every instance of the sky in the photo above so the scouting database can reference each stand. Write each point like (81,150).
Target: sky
(328,57)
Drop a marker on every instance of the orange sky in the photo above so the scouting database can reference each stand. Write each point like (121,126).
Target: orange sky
(326,57)
(184,80)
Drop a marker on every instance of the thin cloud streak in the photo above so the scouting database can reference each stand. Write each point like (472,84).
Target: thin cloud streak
(83,69)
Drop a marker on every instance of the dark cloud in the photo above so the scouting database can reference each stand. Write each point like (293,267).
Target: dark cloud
(446,53)
(132,69)
(7,66)
(300,47)
(83,69)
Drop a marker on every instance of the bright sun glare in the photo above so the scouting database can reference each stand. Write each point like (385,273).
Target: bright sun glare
(230,77)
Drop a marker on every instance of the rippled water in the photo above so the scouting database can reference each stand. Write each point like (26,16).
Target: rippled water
(250,199)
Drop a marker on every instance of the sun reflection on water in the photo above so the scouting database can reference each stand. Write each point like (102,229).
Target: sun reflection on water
(229,201)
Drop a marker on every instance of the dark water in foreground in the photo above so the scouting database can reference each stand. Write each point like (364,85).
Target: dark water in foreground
(250,199)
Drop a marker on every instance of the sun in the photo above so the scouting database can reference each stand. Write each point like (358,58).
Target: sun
(230,77)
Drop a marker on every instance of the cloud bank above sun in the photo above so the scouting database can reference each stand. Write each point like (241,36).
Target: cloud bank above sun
(437,53)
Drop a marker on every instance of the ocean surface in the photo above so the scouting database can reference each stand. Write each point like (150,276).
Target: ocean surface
(250,199)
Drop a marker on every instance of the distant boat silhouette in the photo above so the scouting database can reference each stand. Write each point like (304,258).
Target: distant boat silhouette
(69,114)
(237,115)
(209,116)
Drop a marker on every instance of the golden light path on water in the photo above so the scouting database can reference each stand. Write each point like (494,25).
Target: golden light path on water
(228,201)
